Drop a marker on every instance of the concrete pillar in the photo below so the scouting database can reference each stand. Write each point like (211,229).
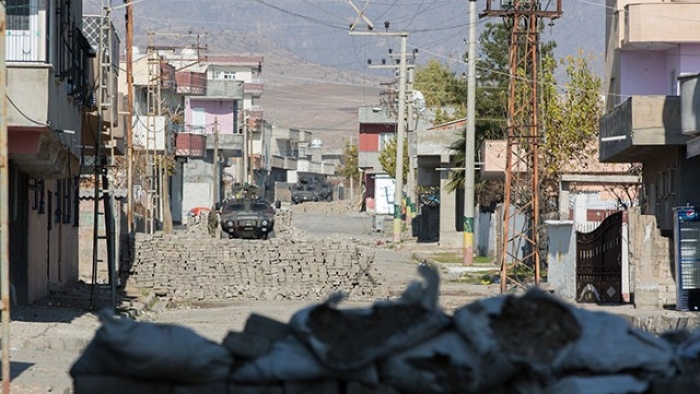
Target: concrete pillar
(564,196)
(581,209)
(561,257)
(449,237)
(644,283)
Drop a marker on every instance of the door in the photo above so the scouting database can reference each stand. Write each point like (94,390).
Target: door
(19,218)
(199,120)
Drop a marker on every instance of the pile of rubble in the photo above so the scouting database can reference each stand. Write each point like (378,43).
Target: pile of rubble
(533,344)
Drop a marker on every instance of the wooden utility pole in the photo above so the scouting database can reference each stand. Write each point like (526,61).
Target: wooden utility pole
(130,121)
(4,216)
(521,195)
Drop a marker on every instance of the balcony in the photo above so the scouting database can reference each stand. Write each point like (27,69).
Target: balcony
(285,163)
(191,83)
(229,144)
(314,167)
(660,25)
(368,160)
(190,145)
(634,129)
(28,88)
(254,89)
(225,89)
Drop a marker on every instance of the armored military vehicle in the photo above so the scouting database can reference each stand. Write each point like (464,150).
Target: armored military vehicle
(303,191)
(249,217)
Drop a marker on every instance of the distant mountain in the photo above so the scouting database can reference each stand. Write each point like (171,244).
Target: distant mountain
(315,72)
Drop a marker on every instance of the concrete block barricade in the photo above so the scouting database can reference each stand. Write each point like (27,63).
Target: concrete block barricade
(188,268)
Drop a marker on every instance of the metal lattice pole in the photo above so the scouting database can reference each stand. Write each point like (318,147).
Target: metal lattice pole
(521,194)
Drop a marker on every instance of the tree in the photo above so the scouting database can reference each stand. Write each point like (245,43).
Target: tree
(350,169)
(493,78)
(493,84)
(570,121)
(437,83)
(387,158)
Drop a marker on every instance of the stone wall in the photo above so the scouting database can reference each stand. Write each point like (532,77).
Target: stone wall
(651,260)
(186,267)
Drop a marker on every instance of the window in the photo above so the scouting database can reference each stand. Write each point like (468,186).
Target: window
(198,119)
(17,14)
(384,139)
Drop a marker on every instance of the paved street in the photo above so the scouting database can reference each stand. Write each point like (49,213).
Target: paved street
(47,339)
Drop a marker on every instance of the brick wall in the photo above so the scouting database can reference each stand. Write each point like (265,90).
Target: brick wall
(188,266)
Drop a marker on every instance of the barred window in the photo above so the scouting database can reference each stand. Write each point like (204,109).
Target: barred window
(17,12)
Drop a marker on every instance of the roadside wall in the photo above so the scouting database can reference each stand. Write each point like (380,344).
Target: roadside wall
(651,261)
(190,267)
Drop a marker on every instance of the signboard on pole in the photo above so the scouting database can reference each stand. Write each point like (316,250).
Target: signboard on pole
(384,188)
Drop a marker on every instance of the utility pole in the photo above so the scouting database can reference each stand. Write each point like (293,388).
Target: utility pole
(470,141)
(4,216)
(246,152)
(215,165)
(411,125)
(521,194)
(400,136)
(130,122)
(251,172)
(400,128)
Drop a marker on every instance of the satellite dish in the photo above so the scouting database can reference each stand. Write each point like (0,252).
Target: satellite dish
(316,143)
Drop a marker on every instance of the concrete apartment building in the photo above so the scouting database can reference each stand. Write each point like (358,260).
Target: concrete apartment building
(652,64)
(215,98)
(51,113)
(650,44)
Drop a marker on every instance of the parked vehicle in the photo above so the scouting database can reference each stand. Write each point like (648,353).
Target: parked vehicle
(250,218)
(324,192)
(311,190)
(303,192)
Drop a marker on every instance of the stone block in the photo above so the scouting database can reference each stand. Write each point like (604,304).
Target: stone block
(646,297)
